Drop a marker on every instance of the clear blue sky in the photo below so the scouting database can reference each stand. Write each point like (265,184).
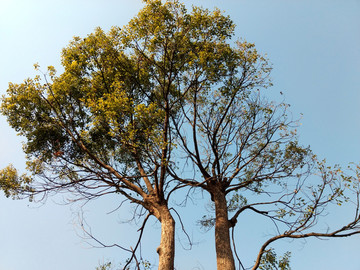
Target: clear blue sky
(315,49)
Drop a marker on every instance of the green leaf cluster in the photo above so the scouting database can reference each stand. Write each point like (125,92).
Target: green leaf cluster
(13,184)
(269,261)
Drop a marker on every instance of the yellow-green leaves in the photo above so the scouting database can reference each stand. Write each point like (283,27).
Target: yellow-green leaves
(13,184)
(270,261)
(122,92)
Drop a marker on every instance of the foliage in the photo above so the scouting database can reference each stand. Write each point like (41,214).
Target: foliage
(270,262)
(12,184)
(143,264)
(102,117)
(104,266)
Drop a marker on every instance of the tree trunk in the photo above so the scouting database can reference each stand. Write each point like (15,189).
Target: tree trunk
(166,250)
(224,254)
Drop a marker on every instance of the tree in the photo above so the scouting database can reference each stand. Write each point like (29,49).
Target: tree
(101,127)
(171,86)
(104,125)
(246,155)
(92,132)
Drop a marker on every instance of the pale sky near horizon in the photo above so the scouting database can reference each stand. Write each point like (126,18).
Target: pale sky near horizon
(315,50)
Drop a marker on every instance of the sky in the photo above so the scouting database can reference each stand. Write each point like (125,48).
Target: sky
(315,50)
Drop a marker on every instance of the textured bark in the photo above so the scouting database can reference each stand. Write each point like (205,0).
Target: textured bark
(166,250)
(224,254)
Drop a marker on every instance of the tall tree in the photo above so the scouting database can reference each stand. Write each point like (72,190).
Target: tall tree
(94,131)
(104,126)
(246,155)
